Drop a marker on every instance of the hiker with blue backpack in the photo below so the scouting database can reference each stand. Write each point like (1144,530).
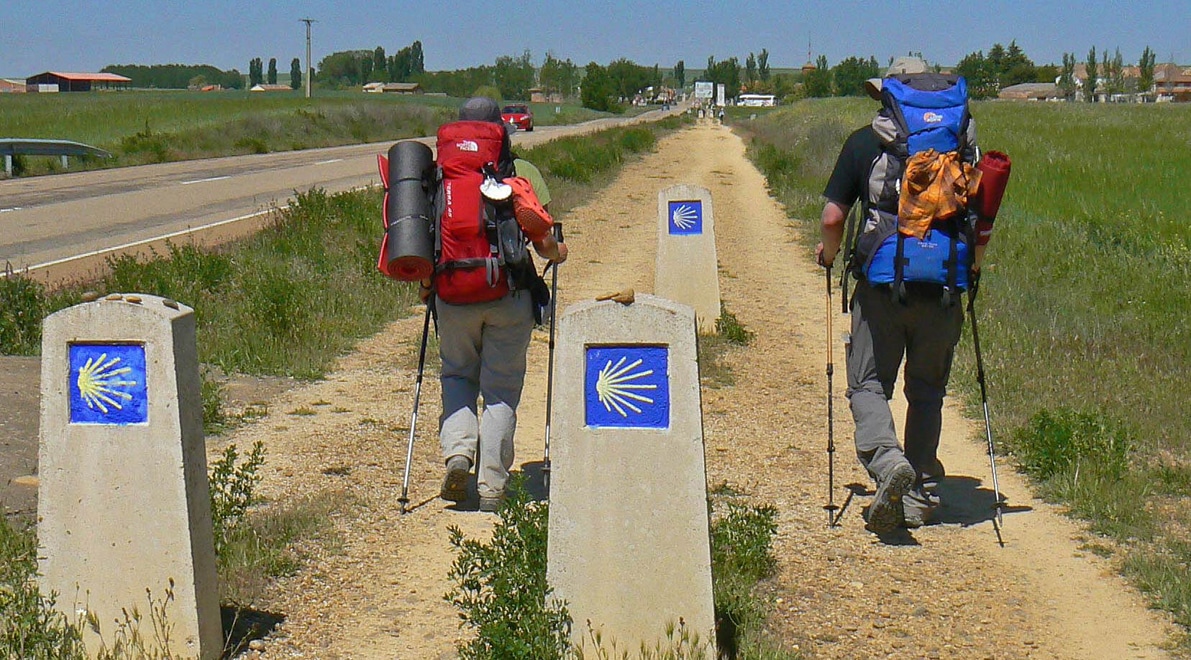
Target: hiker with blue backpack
(913,249)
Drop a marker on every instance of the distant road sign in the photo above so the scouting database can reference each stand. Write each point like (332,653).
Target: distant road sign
(719,94)
(704,90)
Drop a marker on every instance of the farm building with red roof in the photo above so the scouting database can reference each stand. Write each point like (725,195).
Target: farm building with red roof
(74,82)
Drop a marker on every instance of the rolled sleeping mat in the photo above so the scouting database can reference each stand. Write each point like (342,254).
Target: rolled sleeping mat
(409,246)
(994,169)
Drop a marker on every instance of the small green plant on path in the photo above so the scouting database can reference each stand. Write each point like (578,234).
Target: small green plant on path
(500,586)
(713,349)
(233,490)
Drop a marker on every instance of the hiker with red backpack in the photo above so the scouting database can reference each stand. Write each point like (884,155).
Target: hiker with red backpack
(486,292)
(917,245)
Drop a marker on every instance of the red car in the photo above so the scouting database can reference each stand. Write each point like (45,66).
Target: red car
(518,115)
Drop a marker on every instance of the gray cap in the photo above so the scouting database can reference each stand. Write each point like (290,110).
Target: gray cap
(900,65)
(480,108)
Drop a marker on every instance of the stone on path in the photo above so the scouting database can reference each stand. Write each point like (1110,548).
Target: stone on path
(687,270)
(123,503)
(628,542)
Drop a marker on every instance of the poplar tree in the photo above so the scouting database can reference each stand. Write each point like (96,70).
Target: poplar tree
(1145,79)
(1089,85)
(272,70)
(1067,77)
(256,72)
(379,63)
(817,83)
(295,74)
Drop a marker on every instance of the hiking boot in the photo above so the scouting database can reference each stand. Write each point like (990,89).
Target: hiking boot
(491,503)
(920,506)
(886,513)
(454,485)
(915,518)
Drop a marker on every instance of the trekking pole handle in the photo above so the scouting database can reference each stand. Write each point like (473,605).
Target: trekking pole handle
(558,232)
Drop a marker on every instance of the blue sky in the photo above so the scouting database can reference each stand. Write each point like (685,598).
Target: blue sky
(85,35)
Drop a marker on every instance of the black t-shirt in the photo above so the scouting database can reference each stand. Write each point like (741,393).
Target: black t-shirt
(849,179)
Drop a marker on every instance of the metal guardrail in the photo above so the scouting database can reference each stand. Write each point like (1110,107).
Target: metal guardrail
(10,147)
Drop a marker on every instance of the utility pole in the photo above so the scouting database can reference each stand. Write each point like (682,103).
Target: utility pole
(307,21)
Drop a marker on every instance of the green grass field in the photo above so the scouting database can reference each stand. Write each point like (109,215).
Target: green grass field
(1082,311)
(139,127)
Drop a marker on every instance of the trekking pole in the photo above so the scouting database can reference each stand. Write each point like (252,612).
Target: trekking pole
(550,359)
(992,453)
(413,422)
(830,507)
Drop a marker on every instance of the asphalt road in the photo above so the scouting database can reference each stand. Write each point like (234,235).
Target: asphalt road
(48,222)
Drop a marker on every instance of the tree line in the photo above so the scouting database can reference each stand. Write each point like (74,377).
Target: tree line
(177,76)
(609,87)
(351,68)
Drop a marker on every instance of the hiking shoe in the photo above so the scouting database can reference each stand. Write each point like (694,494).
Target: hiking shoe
(920,506)
(491,503)
(886,513)
(915,518)
(454,485)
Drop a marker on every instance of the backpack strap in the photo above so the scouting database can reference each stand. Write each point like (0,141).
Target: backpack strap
(898,290)
(952,267)
(849,247)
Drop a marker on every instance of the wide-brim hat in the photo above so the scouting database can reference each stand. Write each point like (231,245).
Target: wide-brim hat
(901,65)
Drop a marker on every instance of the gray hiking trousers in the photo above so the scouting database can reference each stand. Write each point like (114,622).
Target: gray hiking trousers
(883,331)
(483,348)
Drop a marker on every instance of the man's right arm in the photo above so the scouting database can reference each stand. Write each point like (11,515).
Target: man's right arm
(550,248)
(843,189)
(831,232)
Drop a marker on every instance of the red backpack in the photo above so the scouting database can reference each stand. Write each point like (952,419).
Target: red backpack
(479,244)
(469,268)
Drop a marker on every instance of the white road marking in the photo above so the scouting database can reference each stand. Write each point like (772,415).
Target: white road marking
(183,232)
(214,178)
(328,162)
(14,208)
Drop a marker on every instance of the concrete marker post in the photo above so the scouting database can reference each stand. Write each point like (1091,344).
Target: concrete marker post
(687,269)
(124,510)
(629,546)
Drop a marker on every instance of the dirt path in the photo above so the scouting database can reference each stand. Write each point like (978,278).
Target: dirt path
(947,591)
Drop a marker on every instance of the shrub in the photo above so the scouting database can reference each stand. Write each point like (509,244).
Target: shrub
(730,328)
(22,308)
(500,586)
(232,490)
(1055,442)
(741,556)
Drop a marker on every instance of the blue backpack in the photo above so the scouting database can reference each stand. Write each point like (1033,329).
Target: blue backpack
(919,112)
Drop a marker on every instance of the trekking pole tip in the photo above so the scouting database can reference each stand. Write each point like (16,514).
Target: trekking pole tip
(831,509)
